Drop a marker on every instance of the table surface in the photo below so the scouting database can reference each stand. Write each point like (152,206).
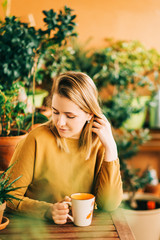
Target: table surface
(104,226)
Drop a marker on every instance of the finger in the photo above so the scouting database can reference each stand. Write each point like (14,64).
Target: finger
(95,130)
(60,221)
(61,206)
(100,121)
(60,212)
(96,125)
(60,217)
(67,198)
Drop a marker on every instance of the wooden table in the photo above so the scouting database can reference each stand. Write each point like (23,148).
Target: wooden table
(111,226)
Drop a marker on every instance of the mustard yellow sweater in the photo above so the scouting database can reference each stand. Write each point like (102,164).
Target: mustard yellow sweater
(49,174)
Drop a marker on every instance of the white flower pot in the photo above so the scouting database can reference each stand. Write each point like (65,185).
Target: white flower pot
(137,120)
(144,224)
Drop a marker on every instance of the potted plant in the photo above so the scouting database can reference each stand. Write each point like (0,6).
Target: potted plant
(142,210)
(12,114)
(127,68)
(20,49)
(17,44)
(6,190)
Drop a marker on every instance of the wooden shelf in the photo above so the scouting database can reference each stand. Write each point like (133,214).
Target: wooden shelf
(149,154)
(153,145)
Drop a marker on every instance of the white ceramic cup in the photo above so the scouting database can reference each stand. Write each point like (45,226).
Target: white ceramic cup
(82,208)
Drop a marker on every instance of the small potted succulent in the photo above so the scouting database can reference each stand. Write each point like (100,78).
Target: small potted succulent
(6,188)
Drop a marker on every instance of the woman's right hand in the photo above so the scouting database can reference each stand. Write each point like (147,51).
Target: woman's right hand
(58,212)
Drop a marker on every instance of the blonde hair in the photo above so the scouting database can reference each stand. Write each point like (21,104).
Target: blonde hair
(79,88)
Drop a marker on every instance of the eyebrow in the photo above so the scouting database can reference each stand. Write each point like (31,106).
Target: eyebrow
(64,112)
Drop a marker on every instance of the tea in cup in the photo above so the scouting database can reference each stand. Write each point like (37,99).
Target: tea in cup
(82,208)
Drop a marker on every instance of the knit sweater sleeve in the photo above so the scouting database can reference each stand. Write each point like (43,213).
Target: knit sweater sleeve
(108,184)
(24,158)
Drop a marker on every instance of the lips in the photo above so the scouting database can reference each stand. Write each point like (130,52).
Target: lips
(62,130)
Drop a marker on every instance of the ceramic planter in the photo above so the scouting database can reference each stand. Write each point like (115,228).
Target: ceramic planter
(39,96)
(136,121)
(144,224)
(7,147)
(154,110)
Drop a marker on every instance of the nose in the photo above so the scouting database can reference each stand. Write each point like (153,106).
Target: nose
(61,121)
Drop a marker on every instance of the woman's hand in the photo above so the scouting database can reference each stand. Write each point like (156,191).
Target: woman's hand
(58,211)
(102,128)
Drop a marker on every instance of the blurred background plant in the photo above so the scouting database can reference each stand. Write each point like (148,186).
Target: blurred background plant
(125,73)
(20,49)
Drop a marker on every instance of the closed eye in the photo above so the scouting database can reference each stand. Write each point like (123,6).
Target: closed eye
(55,113)
(68,114)
(71,117)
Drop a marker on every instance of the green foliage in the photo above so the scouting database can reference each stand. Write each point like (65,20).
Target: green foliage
(119,108)
(59,27)
(38,118)
(7,186)
(54,61)
(20,49)
(11,114)
(123,64)
(82,57)
(18,42)
(128,141)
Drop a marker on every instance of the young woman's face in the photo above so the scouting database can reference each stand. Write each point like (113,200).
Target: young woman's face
(67,117)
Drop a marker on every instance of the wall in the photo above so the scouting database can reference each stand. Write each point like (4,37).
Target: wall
(119,19)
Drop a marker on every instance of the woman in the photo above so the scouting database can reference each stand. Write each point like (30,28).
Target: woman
(74,152)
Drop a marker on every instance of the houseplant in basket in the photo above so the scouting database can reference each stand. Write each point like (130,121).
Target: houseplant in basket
(6,191)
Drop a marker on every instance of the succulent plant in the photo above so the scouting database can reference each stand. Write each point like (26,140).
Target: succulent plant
(7,186)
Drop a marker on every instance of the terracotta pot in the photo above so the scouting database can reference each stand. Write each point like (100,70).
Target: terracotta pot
(7,147)
(2,208)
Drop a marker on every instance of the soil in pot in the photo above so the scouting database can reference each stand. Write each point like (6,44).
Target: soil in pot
(142,205)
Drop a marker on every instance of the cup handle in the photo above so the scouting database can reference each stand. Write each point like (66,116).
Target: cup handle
(69,216)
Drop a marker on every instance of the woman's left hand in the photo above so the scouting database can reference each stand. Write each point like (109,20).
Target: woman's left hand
(102,128)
